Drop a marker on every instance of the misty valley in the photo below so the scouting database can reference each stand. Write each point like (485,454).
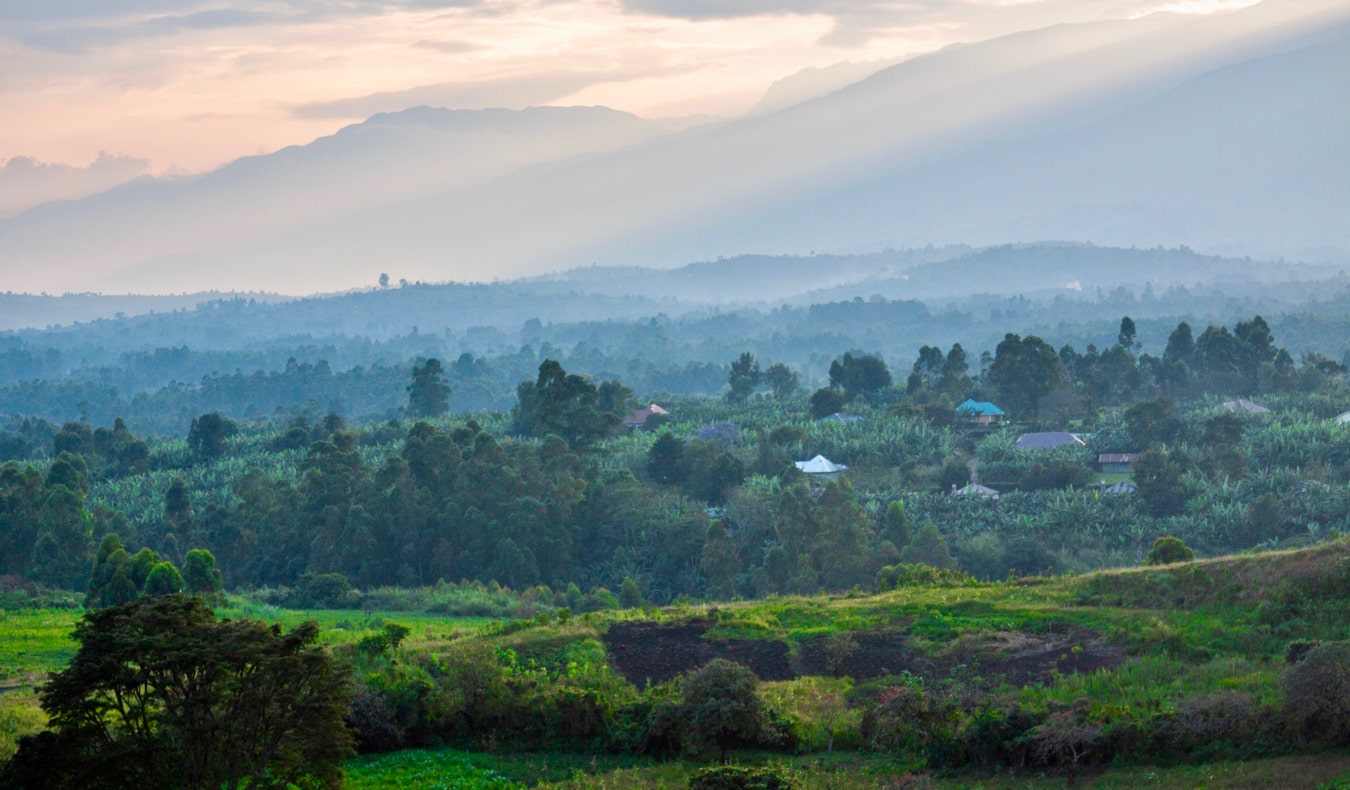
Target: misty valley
(638,395)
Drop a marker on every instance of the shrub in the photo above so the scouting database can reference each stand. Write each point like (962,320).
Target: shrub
(893,577)
(731,777)
(1167,550)
(1317,693)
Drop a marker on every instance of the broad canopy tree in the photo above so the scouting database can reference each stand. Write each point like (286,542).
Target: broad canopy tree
(162,695)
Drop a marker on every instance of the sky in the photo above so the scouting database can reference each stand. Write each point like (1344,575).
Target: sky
(93,91)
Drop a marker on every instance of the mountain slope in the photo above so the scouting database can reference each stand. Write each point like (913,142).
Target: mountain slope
(1144,131)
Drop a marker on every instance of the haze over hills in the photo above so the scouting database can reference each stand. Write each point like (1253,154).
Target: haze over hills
(1222,133)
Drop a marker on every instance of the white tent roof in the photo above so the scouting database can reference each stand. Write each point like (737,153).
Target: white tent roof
(820,465)
(1344,418)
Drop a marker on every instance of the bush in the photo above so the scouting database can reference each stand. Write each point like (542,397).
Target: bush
(1167,550)
(730,777)
(1317,693)
(893,577)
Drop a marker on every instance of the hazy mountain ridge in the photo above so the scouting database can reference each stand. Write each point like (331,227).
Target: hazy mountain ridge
(629,293)
(1125,133)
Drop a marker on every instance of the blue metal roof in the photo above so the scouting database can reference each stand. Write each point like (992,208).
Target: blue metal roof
(982,408)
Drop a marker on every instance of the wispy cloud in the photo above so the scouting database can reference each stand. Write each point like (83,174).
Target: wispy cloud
(25,182)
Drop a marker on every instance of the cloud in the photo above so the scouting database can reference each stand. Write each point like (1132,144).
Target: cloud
(448,47)
(25,182)
(511,93)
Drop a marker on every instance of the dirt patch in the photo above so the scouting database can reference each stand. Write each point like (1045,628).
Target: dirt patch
(657,652)
(1023,659)
(871,655)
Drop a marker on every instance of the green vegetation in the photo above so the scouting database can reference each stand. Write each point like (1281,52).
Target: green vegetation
(554,586)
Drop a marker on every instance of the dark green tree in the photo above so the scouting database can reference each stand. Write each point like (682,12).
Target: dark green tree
(1125,338)
(721,708)
(865,374)
(826,401)
(782,380)
(1162,491)
(160,694)
(743,377)
(201,577)
(1024,371)
(207,435)
(1167,550)
(428,393)
(560,403)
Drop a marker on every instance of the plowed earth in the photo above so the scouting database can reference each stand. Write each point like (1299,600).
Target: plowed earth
(655,652)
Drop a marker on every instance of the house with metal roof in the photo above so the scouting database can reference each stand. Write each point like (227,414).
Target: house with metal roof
(1116,462)
(821,468)
(1242,404)
(1048,440)
(980,412)
(639,418)
(975,489)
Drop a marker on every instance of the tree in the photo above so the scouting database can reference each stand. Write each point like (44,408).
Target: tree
(743,377)
(206,437)
(160,694)
(1167,550)
(1151,422)
(1125,338)
(1316,693)
(720,707)
(384,280)
(201,577)
(865,375)
(826,401)
(428,394)
(782,380)
(563,404)
(1158,479)
(1025,370)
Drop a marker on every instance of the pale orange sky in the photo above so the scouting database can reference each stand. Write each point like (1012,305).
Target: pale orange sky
(190,84)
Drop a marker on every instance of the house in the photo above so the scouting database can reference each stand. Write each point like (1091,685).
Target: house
(1047,441)
(639,418)
(1116,462)
(980,412)
(841,418)
(1343,419)
(975,489)
(821,468)
(1242,404)
(1123,487)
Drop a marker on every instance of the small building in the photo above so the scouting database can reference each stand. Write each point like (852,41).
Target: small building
(821,468)
(1343,419)
(1048,440)
(639,418)
(980,412)
(1116,462)
(975,489)
(1116,489)
(1244,405)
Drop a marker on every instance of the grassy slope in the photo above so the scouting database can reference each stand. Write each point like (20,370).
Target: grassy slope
(1183,629)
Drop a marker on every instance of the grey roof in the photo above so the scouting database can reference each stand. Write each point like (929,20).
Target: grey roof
(1123,487)
(1046,441)
(975,489)
(820,465)
(1242,404)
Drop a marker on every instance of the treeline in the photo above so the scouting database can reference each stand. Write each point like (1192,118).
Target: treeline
(560,494)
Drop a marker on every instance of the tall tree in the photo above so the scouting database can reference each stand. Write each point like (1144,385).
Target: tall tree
(1025,370)
(428,393)
(865,374)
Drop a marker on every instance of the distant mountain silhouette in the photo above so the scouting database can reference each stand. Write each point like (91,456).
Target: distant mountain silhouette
(1223,133)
